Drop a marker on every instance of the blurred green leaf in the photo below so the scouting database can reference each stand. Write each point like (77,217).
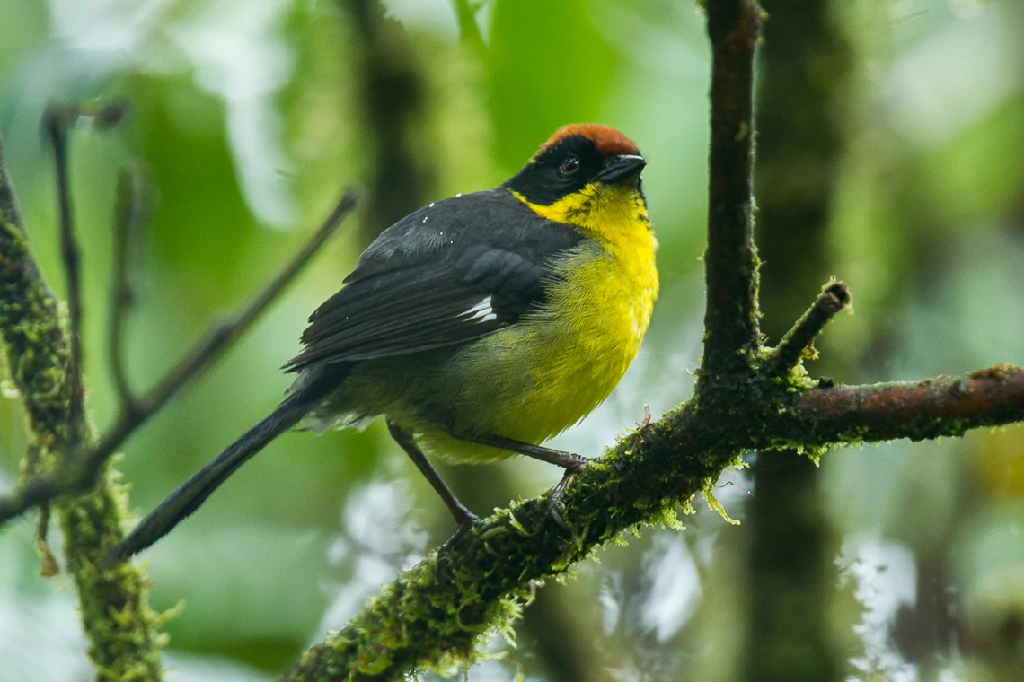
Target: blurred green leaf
(550,67)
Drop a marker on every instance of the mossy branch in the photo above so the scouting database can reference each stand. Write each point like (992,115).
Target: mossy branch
(438,611)
(918,410)
(748,398)
(122,631)
(731,331)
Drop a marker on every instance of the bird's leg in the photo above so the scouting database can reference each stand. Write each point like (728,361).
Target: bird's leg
(462,515)
(571,462)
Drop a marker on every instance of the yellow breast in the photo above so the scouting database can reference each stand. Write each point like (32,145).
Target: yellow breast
(600,310)
(561,362)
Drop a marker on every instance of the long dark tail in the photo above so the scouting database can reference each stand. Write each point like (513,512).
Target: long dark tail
(180,504)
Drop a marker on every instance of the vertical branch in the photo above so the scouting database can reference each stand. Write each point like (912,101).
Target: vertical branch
(122,631)
(128,221)
(124,642)
(56,122)
(731,318)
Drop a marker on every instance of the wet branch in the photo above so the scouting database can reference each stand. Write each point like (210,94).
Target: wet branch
(448,602)
(129,220)
(730,321)
(943,406)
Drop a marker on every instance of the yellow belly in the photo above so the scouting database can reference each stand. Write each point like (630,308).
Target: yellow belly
(534,380)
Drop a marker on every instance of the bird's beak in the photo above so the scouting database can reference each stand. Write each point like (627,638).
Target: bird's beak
(623,169)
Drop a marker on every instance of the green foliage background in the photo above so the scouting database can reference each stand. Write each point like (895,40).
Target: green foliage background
(249,118)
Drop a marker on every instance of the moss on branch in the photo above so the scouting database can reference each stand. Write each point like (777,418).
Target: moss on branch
(121,628)
(731,264)
(434,614)
(33,340)
(918,410)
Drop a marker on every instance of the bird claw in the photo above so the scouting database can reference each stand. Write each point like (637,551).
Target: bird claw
(554,502)
(466,520)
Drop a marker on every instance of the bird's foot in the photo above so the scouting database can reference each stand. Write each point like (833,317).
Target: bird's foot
(555,505)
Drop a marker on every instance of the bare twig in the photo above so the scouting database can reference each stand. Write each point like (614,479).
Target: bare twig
(220,338)
(834,297)
(128,224)
(49,566)
(730,321)
(85,464)
(31,468)
(8,203)
(55,123)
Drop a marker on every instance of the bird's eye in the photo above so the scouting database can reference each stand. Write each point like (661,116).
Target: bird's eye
(570,165)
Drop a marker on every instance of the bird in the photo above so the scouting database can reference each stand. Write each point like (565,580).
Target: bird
(478,326)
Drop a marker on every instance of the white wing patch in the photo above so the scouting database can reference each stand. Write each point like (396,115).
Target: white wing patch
(482,311)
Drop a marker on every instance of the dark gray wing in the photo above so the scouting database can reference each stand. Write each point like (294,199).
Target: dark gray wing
(447,274)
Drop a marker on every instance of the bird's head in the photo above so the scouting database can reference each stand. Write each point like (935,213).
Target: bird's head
(585,174)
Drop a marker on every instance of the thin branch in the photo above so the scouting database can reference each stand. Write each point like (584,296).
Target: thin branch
(128,224)
(35,492)
(220,338)
(32,465)
(8,202)
(835,296)
(445,604)
(730,321)
(56,122)
(84,466)
(49,567)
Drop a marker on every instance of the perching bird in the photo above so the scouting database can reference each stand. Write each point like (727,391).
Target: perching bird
(478,326)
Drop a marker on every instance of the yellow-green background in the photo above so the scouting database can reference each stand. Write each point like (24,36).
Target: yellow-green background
(249,118)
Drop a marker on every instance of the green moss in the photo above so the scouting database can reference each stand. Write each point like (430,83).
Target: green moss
(385,640)
(34,348)
(437,614)
(122,631)
(715,505)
